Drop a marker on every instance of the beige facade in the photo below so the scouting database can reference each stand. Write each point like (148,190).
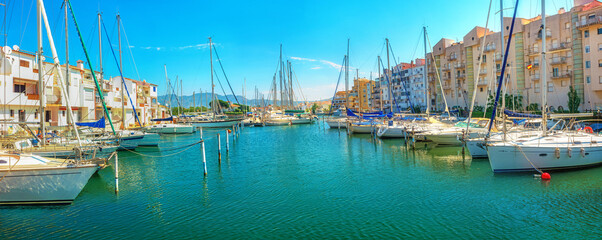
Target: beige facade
(573,58)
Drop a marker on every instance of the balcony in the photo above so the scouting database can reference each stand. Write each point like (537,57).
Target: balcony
(447,86)
(489,48)
(461,76)
(481,83)
(533,64)
(498,57)
(589,22)
(533,51)
(561,75)
(535,77)
(445,69)
(460,65)
(539,35)
(483,72)
(558,60)
(452,58)
(560,47)
(498,70)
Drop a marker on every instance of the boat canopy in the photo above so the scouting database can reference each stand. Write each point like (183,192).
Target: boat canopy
(98,124)
(162,119)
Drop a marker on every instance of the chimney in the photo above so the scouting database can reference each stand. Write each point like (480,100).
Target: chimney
(80,64)
(581,2)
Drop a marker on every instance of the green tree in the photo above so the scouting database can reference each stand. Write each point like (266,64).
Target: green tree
(314,107)
(574,100)
(222,103)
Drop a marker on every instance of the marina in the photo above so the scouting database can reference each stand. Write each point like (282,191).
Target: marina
(496,134)
(314,182)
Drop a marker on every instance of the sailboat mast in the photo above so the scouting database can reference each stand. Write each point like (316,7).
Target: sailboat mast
(347,77)
(201,97)
(212,86)
(41,87)
(389,77)
(121,67)
(380,79)
(100,58)
(67,78)
(281,66)
(544,81)
(426,82)
(502,52)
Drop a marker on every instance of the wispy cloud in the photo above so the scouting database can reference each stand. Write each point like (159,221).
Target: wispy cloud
(303,59)
(316,68)
(196,46)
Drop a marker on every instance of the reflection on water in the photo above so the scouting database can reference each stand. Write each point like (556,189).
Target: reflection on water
(308,181)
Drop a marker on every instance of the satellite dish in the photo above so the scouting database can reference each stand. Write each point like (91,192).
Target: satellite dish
(16,47)
(7,50)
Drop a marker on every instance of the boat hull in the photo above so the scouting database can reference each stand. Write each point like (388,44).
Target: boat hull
(477,148)
(362,129)
(59,185)
(336,124)
(217,124)
(391,132)
(509,158)
(184,129)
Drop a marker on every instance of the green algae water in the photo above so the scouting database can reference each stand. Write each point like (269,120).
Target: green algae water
(309,182)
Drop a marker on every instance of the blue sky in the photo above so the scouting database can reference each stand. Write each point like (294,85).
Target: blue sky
(247,35)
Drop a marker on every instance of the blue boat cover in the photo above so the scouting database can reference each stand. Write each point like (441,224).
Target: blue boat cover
(520,115)
(162,119)
(368,116)
(98,124)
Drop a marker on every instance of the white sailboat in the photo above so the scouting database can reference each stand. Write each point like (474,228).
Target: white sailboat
(549,151)
(30,179)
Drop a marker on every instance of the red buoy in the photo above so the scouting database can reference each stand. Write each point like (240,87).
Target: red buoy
(545,176)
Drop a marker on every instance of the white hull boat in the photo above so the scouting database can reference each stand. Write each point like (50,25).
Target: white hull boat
(554,152)
(170,128)
(218,123)
(28,179)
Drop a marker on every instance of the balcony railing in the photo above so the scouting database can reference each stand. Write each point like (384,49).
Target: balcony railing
(481,83)
(460,65)
(560,75)
(461,76)
(533,64)
(539,35)
(498,57)
(533,51)
(588,22)
(452,58)
(560,46)
(558,60)
(483,72)
(489,48)
(535,77)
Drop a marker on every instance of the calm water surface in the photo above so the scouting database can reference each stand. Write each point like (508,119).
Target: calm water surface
(308,182)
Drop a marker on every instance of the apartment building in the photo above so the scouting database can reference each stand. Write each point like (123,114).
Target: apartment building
(21,95)
(573,58)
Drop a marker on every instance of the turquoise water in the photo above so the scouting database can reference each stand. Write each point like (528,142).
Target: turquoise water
(308,182)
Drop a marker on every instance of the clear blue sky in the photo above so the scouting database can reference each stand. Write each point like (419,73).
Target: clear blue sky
(247,35)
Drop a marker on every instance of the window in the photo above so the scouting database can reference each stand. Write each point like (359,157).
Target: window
(586,33)
(481,89)
(600,63)
(154,89)
(63,113)
(587,49)
(19,88)
(588,64)
(555,72)
(24,63)
(599,31)
(599,46)
(550,86)
(12,113)
(35,114)
(588,79)
(599,80)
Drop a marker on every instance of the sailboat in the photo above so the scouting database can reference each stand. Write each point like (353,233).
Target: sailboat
(214,121)
(30,179)
(168,125)
(551,150)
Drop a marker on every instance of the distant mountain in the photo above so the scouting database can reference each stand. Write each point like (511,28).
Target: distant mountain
(187,100)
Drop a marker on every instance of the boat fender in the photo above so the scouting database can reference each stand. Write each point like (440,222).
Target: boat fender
(557,153)
(568,152)
(582,152)
(588,129)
